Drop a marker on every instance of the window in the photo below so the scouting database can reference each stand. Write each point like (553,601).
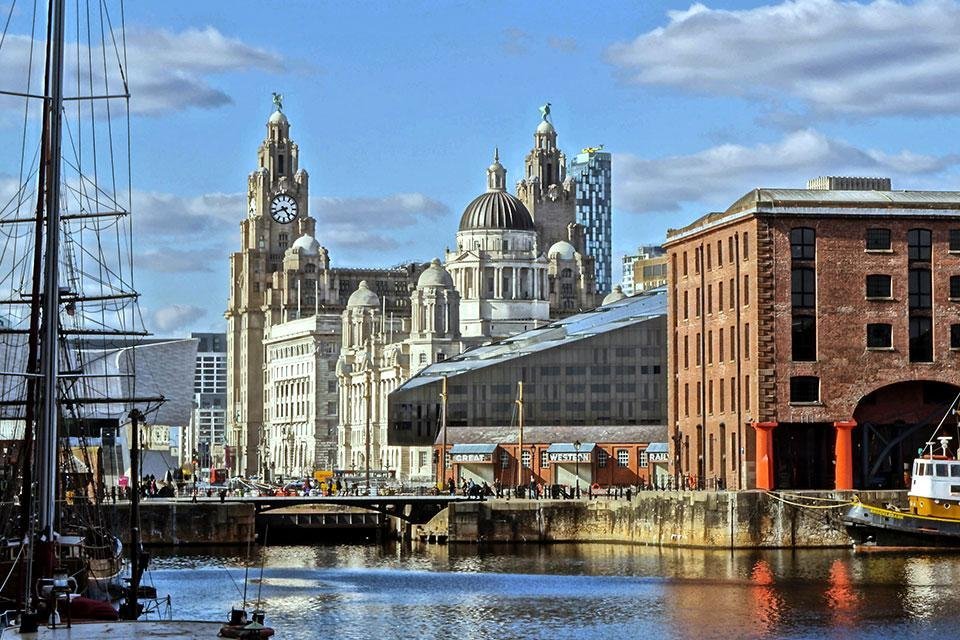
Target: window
(955,336)
(803,243)
(684,264)
(732,292)
(921,339)
(878,239)
(525,458)
(602,458)
(954,287)
(804,338)
(804,288)
(504,460)
(719,253)
(954,239)
(878,286)
(879,336)
(920,289)
(746,341)
(544,461)
(804,389)
(746,246)
(623,457)
(686,305)
(643,459)
(918,245)
(746,289)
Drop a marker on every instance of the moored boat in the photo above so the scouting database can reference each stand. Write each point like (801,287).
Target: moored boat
(932,518)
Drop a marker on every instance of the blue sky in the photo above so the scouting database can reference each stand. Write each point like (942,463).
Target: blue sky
(397,107)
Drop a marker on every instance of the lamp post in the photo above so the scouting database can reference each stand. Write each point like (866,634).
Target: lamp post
(576,448)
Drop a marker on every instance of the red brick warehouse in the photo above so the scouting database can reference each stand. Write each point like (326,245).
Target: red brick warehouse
(813,335)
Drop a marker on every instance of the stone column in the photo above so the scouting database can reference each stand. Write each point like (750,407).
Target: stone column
(765,454)
(843,470)
(516,284)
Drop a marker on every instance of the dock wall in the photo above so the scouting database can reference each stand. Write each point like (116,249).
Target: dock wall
(186,523)
(715,519)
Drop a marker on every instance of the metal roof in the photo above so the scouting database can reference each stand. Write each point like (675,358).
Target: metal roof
(827,202)
(609,317)
(598,434)
(473,448)
(658,447)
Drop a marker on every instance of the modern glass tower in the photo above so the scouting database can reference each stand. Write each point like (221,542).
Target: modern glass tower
(591,170)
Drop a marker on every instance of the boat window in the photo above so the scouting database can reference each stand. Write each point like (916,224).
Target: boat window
(955,470)
(955,488)
(943,470)
(925,469)
(916,468)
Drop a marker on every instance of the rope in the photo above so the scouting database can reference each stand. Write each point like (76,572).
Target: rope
(12,567)
(811,506)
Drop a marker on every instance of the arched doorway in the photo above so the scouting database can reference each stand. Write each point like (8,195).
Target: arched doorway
(894,422)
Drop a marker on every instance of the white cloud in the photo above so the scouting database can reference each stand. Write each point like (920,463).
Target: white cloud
(394,211)
(515,41)
(563,44)
(167,71)
(195,234)
(717,175)
(835,57)
(174,317)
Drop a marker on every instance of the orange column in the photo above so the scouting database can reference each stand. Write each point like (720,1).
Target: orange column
(844,452)
(765,454)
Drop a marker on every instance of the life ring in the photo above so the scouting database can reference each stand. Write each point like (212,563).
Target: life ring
(595,487)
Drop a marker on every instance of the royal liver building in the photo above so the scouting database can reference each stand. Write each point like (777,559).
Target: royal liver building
(313,350)
(283,321)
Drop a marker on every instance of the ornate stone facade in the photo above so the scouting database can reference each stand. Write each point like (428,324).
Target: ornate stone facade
(282,274)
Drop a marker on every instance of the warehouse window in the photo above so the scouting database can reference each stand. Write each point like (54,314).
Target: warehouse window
(804,389)
(878,239)
(879,336)
(623,457)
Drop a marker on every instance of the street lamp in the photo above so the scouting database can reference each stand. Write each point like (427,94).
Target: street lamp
(576,447)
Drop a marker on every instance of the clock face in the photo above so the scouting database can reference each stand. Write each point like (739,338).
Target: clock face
(283,208)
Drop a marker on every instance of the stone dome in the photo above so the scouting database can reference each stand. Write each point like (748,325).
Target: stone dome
(363,297)
(277,117)
(545,127)
(563,249)
(435,276)
(613,296)
(307,245)
(496,209)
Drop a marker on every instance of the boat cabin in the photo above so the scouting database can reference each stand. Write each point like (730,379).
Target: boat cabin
(935,486)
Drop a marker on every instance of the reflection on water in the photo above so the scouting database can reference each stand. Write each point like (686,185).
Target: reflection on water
(571,591)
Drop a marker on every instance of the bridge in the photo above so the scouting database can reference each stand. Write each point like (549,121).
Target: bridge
(408,508)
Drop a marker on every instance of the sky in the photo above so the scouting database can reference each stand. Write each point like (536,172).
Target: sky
(397,108)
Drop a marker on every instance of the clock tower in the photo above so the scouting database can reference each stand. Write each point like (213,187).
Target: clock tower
(277,215)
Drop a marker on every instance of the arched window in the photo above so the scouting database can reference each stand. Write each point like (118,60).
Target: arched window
(566,273)
(310,268)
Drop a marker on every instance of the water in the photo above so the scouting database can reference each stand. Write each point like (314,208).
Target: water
(571,591)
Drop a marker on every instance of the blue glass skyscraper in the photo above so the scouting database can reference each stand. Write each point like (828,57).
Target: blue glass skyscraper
(591,170)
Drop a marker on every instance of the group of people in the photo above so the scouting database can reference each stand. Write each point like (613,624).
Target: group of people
(538,490)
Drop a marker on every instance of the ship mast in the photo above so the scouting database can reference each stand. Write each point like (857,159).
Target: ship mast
(49,356)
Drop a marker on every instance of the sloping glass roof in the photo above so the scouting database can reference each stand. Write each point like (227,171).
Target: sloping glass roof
(616,315)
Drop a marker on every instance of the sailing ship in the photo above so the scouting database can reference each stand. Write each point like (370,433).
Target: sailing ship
(68,323)
(932,518)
